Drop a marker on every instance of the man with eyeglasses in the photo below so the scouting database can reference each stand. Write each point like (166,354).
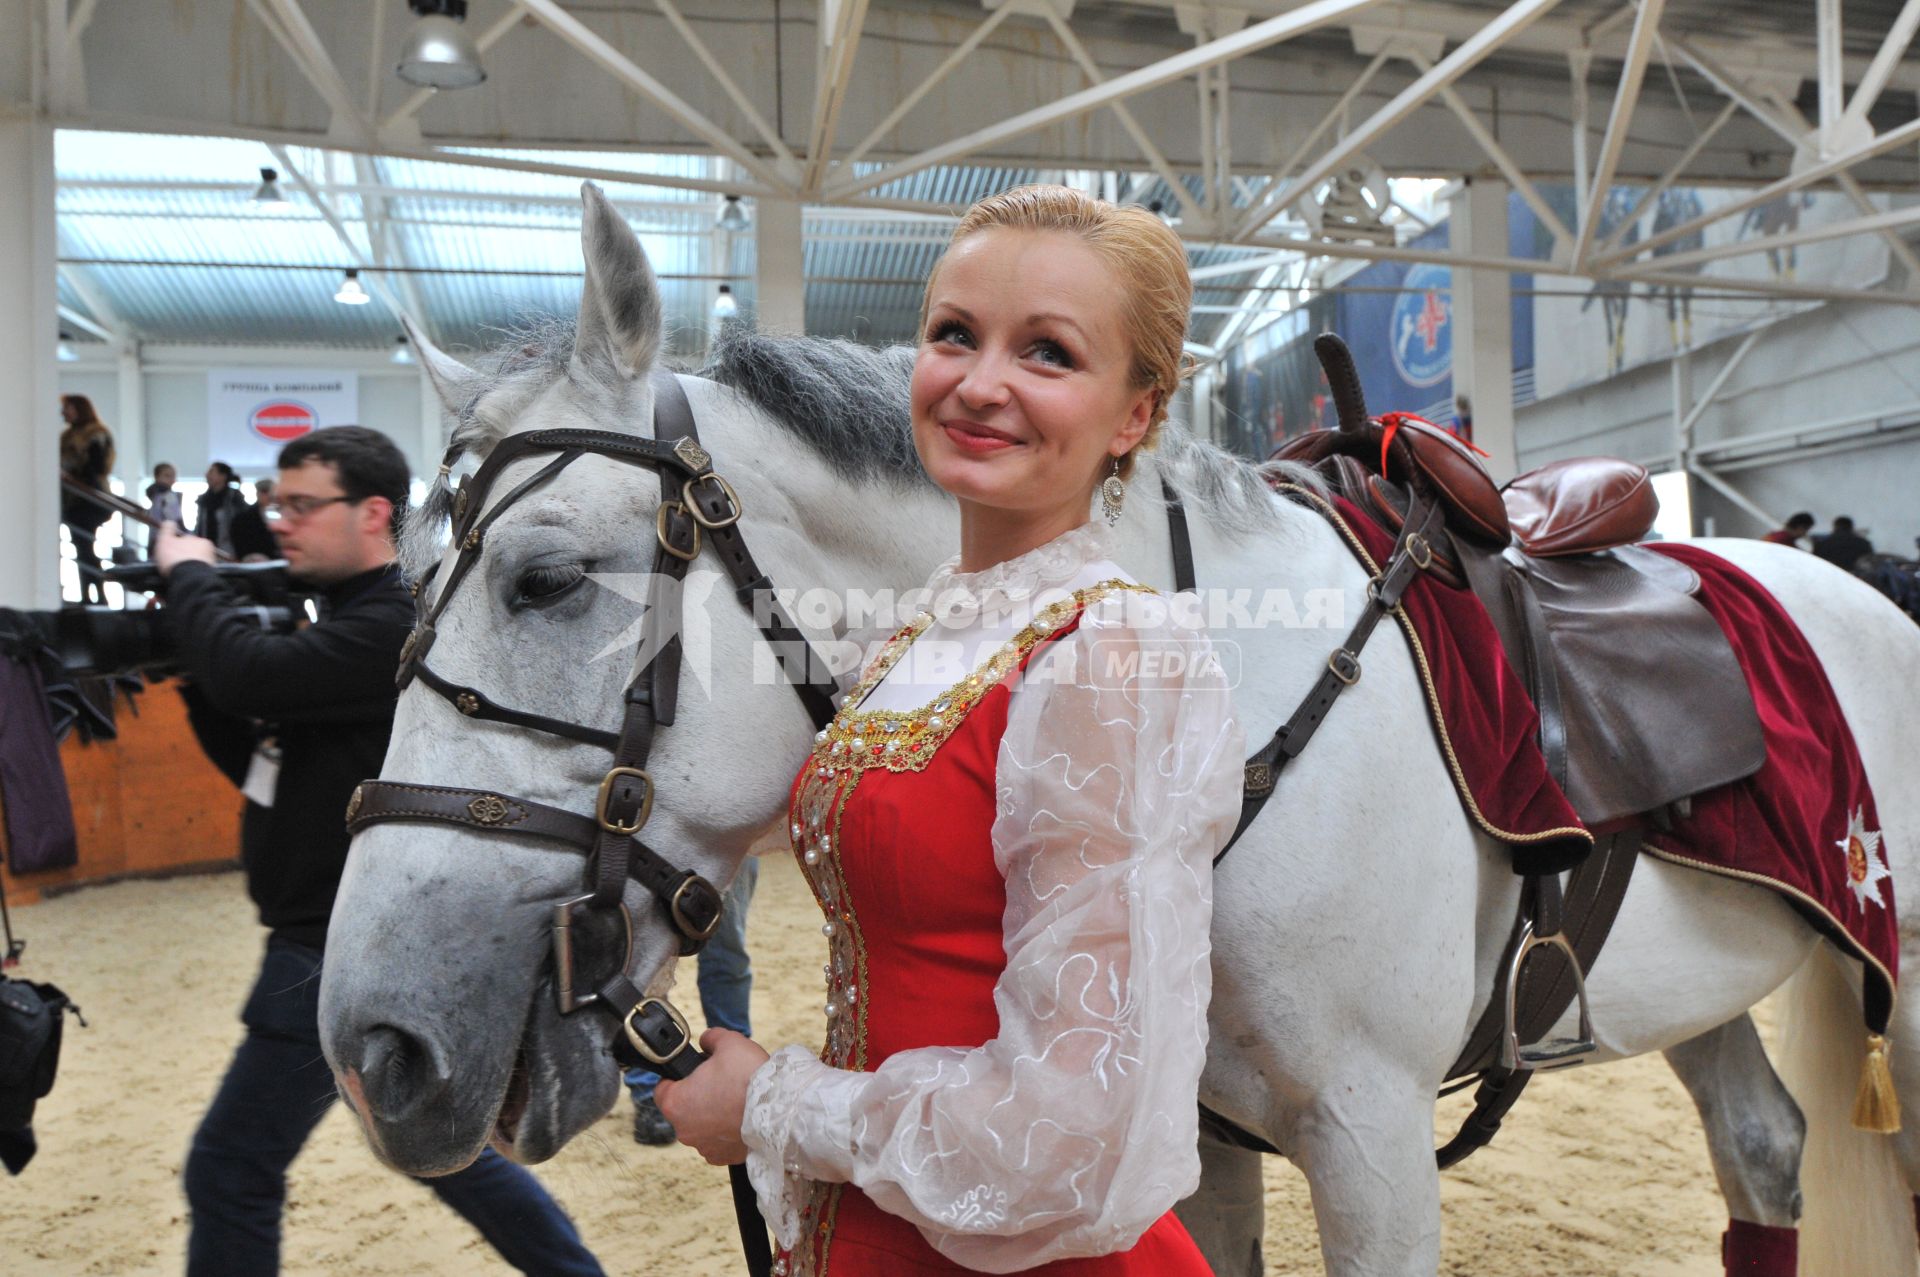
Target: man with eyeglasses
(297,720)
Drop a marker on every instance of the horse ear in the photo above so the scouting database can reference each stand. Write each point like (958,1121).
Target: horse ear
(619,327)
(450,377)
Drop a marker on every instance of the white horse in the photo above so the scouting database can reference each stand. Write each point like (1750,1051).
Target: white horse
(1357,925)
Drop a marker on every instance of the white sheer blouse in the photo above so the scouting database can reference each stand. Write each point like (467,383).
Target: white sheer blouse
(1118,779)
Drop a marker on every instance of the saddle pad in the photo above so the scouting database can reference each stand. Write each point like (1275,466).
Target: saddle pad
(1653,705)
(1487,726)
(1804,824)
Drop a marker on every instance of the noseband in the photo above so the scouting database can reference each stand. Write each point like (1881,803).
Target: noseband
(695,503)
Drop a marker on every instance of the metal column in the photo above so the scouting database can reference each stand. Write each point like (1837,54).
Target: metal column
(1483,322)
(29,381)
(779,279)
(130,422)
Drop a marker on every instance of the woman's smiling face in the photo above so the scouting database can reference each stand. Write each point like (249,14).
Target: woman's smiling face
(1023,386)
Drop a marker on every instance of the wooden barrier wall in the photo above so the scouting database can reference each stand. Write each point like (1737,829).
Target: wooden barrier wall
(147,803)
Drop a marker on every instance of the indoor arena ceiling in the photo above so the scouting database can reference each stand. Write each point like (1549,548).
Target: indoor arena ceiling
(1242,120)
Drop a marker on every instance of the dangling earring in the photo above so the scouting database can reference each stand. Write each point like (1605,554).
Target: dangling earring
(1112,493)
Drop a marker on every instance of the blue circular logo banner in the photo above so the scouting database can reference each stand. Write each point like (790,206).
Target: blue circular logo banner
(1422,336)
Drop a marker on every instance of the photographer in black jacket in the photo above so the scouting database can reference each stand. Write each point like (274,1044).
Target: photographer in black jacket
(297,720)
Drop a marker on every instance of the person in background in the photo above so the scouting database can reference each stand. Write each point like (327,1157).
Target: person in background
(86,458)
(252,542)
(1842,547)
(217,507)
(1794,532)
(162,501)
(297,720)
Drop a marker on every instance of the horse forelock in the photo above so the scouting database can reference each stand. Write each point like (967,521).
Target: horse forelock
(532,356)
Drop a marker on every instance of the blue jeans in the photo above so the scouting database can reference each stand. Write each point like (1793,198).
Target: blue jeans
(276,1091)
(725,977)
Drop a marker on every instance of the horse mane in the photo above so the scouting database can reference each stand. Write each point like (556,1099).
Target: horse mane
(846,402)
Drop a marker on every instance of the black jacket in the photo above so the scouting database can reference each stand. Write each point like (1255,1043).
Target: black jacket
(325,693)
(214,515)
(1842,549)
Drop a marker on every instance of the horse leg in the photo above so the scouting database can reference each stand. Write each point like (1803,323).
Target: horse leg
(1366,1148)
(1227,1214)
(1755,1133)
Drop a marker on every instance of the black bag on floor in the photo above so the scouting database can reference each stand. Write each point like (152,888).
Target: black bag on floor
(31,1016)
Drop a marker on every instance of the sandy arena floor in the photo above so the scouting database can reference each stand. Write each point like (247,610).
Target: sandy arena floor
(1597,1174)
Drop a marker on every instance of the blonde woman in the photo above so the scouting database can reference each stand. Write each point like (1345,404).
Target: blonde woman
(1014,867)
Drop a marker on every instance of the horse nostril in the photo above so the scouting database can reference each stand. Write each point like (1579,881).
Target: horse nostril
(397,1072)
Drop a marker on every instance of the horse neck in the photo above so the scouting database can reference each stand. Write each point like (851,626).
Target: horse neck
(813,527)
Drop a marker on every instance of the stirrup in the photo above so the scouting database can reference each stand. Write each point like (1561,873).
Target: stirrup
(1548,1053)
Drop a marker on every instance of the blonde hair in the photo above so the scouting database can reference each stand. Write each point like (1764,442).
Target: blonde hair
(1140,249)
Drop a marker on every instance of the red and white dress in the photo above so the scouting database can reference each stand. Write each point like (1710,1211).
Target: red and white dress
(1010,829)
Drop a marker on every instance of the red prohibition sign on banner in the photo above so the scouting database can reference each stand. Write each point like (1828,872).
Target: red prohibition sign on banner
(283,420)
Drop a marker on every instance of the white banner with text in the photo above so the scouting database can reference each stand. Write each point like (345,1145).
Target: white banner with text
(254,412)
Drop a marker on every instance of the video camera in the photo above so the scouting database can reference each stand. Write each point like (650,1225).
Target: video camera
(105,641)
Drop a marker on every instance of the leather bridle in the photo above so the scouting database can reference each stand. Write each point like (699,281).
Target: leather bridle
(696,505)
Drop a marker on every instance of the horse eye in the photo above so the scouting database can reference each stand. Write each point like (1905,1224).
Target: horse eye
(545,584)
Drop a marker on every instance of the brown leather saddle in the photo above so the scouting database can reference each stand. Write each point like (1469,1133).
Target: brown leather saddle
(1642,702)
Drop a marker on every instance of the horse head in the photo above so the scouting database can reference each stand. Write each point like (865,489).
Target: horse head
(438,1007)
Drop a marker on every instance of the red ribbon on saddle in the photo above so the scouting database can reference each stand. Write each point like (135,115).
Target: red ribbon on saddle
(1390,424)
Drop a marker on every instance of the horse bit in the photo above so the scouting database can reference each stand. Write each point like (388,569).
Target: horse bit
(694,500)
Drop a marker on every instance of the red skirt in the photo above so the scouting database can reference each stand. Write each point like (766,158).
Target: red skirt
(868,1242)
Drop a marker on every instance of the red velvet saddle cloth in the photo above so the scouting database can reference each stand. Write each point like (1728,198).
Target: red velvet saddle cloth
(1804,824)
(1486,724)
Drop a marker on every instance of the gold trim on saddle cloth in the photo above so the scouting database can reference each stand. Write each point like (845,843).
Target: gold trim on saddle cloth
(1845,939)
(1426,681)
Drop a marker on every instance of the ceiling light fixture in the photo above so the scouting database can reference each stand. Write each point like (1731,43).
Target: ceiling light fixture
(1159,210)
(402,351)
(733,215)
(269,192)
(725,306)
(351,294)
(439,53)
(65,352)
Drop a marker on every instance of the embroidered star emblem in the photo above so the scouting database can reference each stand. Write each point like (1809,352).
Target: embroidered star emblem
(1866,866)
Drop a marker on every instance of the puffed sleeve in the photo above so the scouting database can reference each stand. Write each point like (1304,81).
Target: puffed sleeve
(1072,1131)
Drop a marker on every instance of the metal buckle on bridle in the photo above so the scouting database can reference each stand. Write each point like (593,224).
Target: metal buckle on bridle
(563,965)
(1420,550)
(666,538)
(601,815)
(676,909)
(1345,666)
(639,1042)
(699,515)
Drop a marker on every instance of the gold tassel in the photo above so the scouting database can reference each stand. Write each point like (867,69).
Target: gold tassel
(1876,1107)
